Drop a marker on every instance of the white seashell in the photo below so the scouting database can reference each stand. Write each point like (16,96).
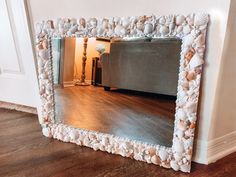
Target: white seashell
(195,61)
(174,165)
(186,29)
(43,54)
(180,133)
(188,40)
(119,30)
(148,28)
(200,40)
(155,160)
(185,168)
(100,31)
(179,29)
(191,107)
(164,30)
(94,32)
(125,22)
(162,20)
(46,132)
(192,118)
(178,156)
(179,19)
(178,146)
(181,114)
(201,19)
(188,143)
(163,154)
(66,139)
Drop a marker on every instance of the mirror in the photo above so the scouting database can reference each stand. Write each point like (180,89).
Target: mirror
(127,86)
(129,89)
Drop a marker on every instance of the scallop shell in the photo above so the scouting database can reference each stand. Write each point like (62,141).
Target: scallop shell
(201,19)
(148,28)
(195,61)
(179,19)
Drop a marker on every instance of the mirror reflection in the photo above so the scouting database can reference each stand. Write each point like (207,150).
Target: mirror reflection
(125,87)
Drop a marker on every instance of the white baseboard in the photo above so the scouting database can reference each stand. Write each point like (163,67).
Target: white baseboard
(18,107)
(221,147)
(213,150)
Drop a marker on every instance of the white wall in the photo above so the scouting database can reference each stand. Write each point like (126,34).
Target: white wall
(218,10)
(224,114)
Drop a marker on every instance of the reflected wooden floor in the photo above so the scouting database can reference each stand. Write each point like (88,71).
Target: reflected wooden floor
(138,116)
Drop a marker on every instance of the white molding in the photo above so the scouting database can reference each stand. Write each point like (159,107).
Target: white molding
(18,107)
(200,152)
(221,147)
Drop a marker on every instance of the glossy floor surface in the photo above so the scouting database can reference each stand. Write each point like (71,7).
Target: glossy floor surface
(135,115)
(25,152)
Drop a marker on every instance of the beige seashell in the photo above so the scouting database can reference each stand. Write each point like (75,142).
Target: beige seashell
(163,154)
(152,151)
(182,125)
(189,54)
(192,125)
(179,19)
(164,30)
(201,19)
(195,61)
(174,165)
(155,160)
(191,76)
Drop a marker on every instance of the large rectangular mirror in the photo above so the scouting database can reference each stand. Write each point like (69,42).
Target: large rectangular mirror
(129,90)
(127,86)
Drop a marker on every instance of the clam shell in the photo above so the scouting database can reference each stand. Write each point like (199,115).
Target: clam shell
(201,19)
(195,61)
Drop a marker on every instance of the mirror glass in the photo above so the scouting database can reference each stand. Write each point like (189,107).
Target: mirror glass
(125,87)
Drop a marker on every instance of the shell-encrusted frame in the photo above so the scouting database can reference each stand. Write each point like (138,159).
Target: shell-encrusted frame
(191,29)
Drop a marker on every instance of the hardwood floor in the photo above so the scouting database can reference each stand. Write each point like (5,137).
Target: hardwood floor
(135,115)
(24,152)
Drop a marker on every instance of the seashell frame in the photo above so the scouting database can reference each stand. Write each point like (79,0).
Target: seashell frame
(177,157)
